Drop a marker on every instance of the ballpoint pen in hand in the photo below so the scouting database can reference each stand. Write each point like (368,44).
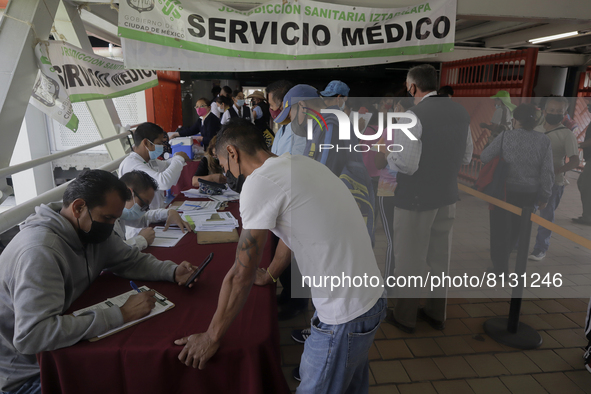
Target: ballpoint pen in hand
(134,286)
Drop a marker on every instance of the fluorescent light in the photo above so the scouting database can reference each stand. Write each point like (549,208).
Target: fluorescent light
(554,37)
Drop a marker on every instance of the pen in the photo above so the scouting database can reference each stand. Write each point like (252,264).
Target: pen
(134,286)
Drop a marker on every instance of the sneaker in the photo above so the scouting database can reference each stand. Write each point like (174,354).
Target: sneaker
(587,354)
(300,336)
(587,366)
(296,373)
(536,255)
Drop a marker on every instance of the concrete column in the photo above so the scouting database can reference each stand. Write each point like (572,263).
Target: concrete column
(32,143)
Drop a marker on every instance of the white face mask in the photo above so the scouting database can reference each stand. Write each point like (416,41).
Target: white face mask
(342,106)
(133,213)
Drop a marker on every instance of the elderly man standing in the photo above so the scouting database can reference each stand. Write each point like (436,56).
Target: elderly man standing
(426,195)
(564,144)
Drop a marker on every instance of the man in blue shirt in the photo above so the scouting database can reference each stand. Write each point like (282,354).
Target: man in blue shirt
(284,140)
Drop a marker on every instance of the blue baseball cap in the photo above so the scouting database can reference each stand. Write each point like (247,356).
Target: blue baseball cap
(293,96)
(334,88)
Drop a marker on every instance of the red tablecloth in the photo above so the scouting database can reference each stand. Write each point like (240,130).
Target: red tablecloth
(185,182)
(143,358)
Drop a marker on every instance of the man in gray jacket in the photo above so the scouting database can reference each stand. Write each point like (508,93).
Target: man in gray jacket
(57,254)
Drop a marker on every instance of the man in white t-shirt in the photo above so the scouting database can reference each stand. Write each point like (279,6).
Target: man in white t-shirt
(316,217)
(147,140)
(564,144)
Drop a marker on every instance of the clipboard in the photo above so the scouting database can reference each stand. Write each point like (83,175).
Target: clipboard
(162,305)
(216,237)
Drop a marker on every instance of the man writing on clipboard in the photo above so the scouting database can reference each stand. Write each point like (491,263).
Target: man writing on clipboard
(59,252)
(315,216)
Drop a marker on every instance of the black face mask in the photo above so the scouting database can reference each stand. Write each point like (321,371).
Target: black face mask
(233,182)
(554,119)
(99,232)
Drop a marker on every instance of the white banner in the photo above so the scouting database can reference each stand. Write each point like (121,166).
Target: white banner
(207,35)
(69,74)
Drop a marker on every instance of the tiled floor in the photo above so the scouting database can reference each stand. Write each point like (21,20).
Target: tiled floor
(462,358)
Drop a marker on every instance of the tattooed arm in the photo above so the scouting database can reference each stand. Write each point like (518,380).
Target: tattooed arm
(199,348)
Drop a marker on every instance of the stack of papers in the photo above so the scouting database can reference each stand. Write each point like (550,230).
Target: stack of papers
(194,193)
(229,195)
(204,206)
(168,238)
(220,221)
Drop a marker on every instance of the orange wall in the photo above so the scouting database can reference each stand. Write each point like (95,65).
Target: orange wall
(163,102)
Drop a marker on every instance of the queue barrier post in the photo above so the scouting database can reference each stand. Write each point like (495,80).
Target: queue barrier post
(509,331)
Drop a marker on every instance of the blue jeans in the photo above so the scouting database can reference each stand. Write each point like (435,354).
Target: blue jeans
(543,237)
(31,386)
(335,358)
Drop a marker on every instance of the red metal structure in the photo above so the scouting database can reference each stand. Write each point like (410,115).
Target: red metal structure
(163,102)
(483,77)
(581,115)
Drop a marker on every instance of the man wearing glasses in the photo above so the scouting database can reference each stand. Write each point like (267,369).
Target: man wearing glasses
(137,213)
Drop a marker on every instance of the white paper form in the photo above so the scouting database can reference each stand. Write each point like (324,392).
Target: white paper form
(168,238)
(162,305)
(202,206)
(221,221)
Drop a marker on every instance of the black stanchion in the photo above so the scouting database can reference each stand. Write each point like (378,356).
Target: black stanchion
(509,331)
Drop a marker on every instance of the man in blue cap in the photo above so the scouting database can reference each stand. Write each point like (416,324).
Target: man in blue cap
(336,94)
(303,102)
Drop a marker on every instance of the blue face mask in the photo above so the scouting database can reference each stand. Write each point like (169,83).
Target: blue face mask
(132,214)
(239,103)
(157,152)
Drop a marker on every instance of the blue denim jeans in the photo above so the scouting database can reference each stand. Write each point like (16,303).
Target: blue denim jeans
(31,386)
(543,237)
(335,358)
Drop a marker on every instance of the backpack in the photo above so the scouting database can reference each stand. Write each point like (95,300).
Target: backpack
(353,173)
(492,177)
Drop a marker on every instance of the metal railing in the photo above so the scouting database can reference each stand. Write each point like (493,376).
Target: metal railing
(4,172)
(15,215)
(469,173)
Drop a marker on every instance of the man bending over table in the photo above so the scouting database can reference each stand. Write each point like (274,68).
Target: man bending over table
(315,216)
(59,252)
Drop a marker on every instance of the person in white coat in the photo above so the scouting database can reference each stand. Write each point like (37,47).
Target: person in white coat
(148,139)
